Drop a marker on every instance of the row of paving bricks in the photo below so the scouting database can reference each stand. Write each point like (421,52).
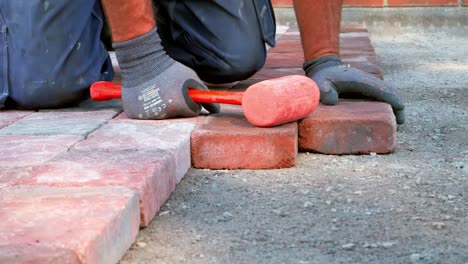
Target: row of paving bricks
(77,184)
(227,141)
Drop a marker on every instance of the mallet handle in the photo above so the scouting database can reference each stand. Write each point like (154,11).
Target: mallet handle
(103,91)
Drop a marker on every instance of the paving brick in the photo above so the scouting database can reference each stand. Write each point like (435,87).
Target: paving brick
(284,60)
(229,141)
(97,224)
(291,34)
(172,137)
(11,116)
(373,3)
(59,123)
(287,46)
(270,73)
(350,127)
(422,3)
(123,118)
(243,85)
(10,176)
(26,151)
(282,3)
(33,254)
(353,28)
(150,173)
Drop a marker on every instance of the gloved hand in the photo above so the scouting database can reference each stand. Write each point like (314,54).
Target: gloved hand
(154,86)
(334,78)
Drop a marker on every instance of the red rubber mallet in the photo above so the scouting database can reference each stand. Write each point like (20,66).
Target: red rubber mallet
(264,104)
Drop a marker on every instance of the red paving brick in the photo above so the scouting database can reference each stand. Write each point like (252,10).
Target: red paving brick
(395,3)
(26,151)
(33,254)
(265,74)
(150,173)
(349,128)
(10,176)
(381,3)
(373,3)
(231,142)
(284,60)
(97,224)
(124,135)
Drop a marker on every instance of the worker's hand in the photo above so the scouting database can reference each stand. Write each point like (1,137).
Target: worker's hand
(165,95)
(154,86)
(334,78)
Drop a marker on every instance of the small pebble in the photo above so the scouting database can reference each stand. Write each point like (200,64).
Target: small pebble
(164,213)
(349,246)
(438,225)
(416,257)
(418,180)
(280,213)
(389,244)
(141,244)
(225,217)
(370,245)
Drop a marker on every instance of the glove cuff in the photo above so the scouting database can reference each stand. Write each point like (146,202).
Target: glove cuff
(312,66)
(141,59)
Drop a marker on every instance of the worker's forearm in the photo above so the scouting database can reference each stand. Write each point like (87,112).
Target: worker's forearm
(319,24)
(129,18)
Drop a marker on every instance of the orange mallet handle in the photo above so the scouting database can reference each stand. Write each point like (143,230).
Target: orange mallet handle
(103,91)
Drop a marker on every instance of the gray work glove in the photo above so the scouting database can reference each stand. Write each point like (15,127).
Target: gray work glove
(334,78)
(154,86)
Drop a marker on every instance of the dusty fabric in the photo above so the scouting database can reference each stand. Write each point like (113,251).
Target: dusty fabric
(50,52)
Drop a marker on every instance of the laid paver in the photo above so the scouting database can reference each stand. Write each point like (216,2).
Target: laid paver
(27,151)
(270,73)
(122,117)
(349,128)
(144,135)
(59,123)
(150,173)
(10,116)
(29,254)
(10,176)
(229,141)
(97,224)
(285,60)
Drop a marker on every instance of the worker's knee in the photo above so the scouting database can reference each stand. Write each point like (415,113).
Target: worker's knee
(32,88)
(234,65)
(46,94)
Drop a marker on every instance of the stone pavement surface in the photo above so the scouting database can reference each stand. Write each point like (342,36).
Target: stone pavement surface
(76,184)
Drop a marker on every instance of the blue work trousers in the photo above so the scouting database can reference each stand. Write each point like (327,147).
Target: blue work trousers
(50,51)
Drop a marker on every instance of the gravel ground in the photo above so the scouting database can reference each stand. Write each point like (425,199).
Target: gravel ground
(406,207)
